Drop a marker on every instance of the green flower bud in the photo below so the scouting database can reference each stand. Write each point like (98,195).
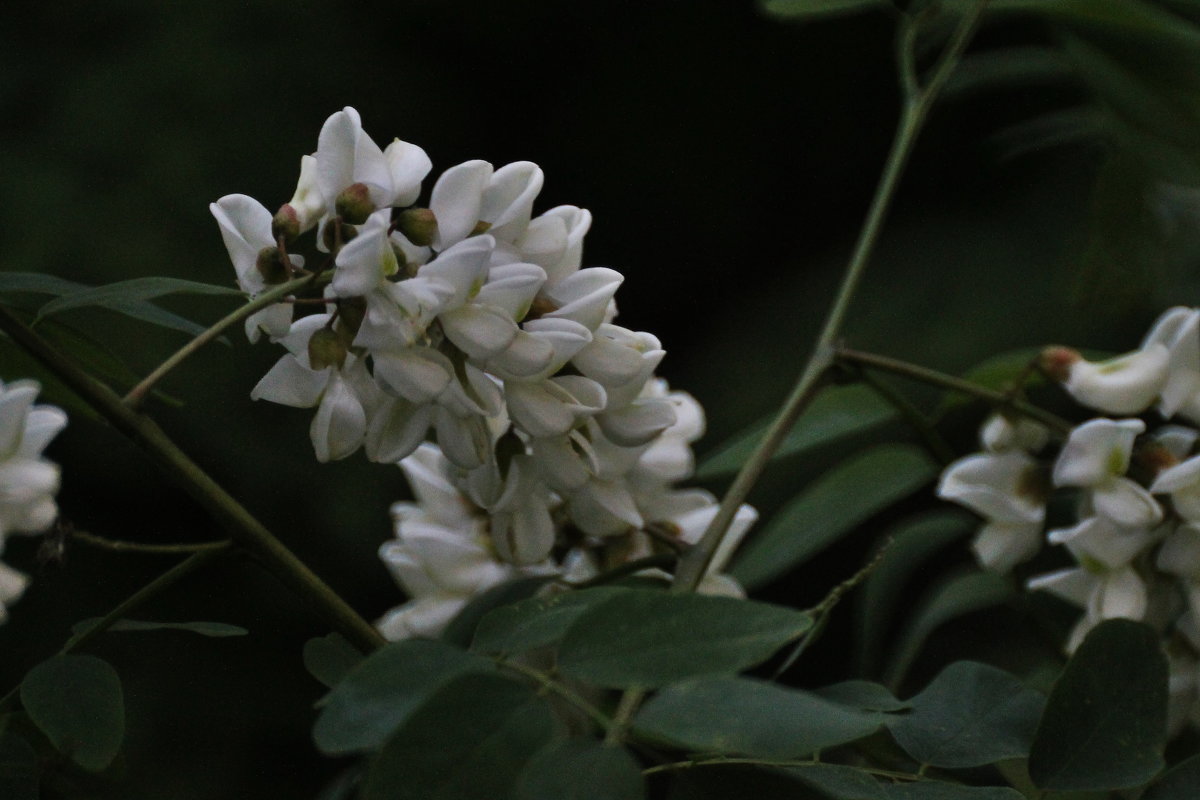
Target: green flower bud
(285,223)
(325,349)
(351,311)
(329,235)
(418,224)
(270,265)
(354,204)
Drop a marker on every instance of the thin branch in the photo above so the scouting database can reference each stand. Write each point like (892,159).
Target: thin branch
(121,546)
(934,378)
(244,528)
(912,119)
(626,707)
(138,393)
(937,446)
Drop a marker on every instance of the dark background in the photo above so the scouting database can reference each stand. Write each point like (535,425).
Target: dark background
(727,158)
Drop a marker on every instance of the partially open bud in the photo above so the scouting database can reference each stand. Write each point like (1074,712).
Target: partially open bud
(1056,362)
(285,223)
(329,235)
(325,349)
(354,204)
(419,225)
(270,265)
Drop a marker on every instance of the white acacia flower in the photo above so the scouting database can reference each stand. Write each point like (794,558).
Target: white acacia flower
(347,156)
(1178,329)
(1103,594)
(1096,457)
(1128,384)
(28,482)
(471,198)
(246,230)
(1006,489)
(1000,433)
(554,241)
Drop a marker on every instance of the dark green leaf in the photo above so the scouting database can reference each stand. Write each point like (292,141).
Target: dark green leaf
(1181,782)
(741,716)
(213,629)
(330,658)
(731,782)
(380,693)
(839,783)
(1009,67)
(815,9)
(77,702)
(836,412)
(461,630)
(830,507)
(938,790)
(536,622)
(1106,720)
(344,786)
(863,695)
(38,283)
(969,715)
(467,741)
(956,596)
(123,293)
(19,769)
(913,541)
(648,638)
(1133,20)
(581,769)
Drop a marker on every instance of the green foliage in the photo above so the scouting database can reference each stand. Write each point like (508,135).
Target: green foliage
(1181,782)
(536,622)
(939,790)
(123,293)
(1106,719)
(830,507)
(76,701)
(126,301)
(912,543)
(956,596)
(581,769)
(837,412)
(384,690)
(969,715)
(215,630)
(742,716)
(468,740)
(646,639)
(815,9)
(863,695)
(329,658)
(839,783)
(461,630)
(19,769)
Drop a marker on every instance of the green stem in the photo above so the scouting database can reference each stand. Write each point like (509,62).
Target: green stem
(626,707)
(246,531)
(934,378)
(138,393)
(119,546)
(551,685)
(762,762)
(937,446)
(134,601)
(912,119)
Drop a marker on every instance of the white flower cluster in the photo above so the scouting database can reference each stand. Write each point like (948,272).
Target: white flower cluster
(1136,537)
(557,447)
(28,482)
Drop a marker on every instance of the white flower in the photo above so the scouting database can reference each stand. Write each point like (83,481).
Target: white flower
(471,193)
(1179,330)
(1096,457)
(1006,490)
(1127,384)
(1103,594)
(347,156)
(28,482)
(999,433)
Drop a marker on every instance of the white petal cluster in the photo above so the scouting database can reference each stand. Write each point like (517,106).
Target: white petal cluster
(28,482)
(471,322)
(1136,537)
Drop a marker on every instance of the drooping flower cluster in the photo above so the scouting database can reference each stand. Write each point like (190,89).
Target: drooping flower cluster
(28,482)
(1136,472)
(469,319)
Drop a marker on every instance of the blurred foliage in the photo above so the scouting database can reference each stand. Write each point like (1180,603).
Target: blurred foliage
(727,157)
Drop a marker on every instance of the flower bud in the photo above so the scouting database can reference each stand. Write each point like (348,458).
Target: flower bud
(285,223)
(351,312)
(329,236)
(354,204)
(1057,361)
(419,225)
(270,265)
(325,349)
